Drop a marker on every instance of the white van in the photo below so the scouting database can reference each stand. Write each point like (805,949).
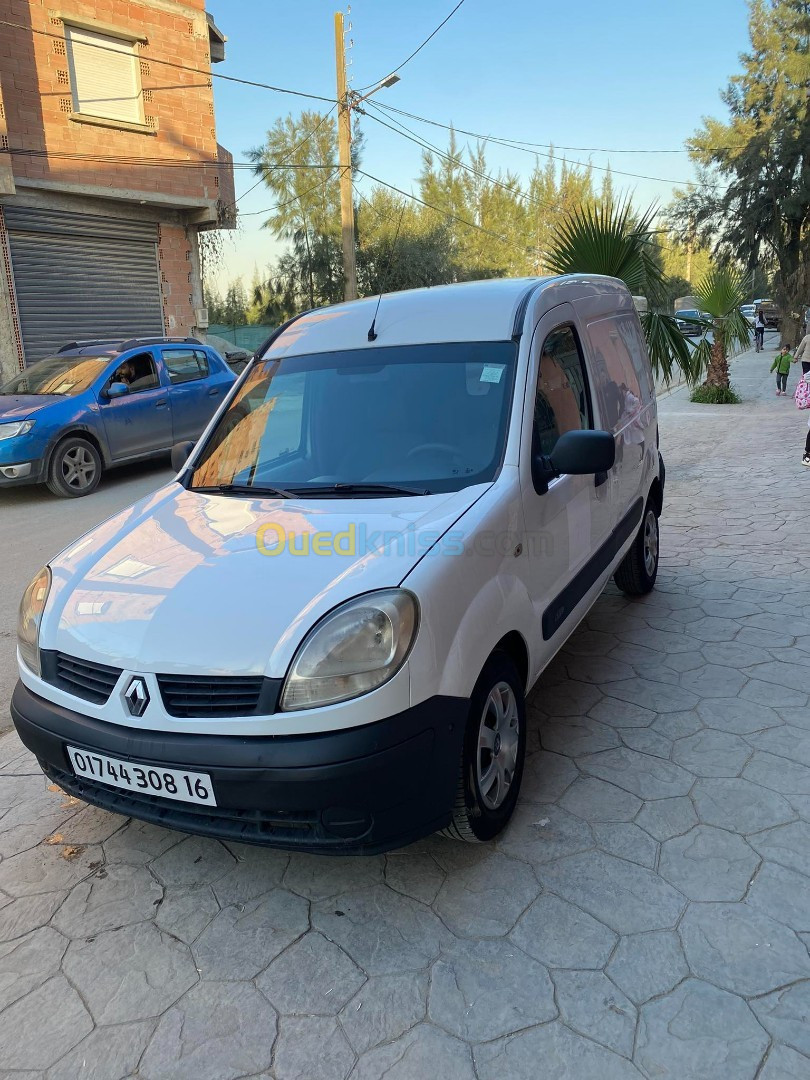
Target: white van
(322,632)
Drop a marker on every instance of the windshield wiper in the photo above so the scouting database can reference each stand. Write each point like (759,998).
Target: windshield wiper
(359,489)
(245,489)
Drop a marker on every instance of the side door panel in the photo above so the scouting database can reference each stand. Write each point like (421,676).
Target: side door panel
(195,389)
(140,421)
(568,524)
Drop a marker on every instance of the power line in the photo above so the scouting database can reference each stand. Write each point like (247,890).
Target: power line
(408,59)
(173,64)
(521,144)
(525,150)
(295,198)
(286,157)
(444,213)
(156,163)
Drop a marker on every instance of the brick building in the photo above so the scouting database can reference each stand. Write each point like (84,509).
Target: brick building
(109,169)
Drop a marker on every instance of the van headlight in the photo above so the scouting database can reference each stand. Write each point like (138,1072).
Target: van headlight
(31,607)
(354,649)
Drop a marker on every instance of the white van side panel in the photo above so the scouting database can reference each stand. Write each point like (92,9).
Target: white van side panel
(473,598)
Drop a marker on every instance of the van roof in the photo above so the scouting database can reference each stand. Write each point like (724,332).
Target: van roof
(489,310)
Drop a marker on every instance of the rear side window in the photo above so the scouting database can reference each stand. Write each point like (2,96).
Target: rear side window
(185,365)
(561,402)
(623,380)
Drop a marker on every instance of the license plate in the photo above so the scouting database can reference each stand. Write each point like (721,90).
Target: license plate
(175,784)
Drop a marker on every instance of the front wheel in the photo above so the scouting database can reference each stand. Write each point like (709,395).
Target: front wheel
(75,468)
(636,573)
(493,753)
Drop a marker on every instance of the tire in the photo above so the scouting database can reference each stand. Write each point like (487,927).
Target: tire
(636,573)
(498,705)
(75,468)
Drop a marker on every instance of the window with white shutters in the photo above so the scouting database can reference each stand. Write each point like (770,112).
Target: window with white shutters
(104,75)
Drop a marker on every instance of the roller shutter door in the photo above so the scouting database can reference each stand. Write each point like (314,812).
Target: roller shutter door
(80,277)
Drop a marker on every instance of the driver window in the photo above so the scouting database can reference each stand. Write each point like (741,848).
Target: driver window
(561,402)
(138,373)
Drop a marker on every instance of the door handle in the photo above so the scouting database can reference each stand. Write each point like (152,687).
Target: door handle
(161,404)
(213,391)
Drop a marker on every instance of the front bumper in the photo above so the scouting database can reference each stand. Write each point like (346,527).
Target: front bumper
(361,790)
(20,473)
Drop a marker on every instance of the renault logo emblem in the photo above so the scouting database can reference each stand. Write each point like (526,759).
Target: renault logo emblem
(136,696)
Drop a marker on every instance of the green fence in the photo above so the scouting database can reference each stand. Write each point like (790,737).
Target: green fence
(243,337)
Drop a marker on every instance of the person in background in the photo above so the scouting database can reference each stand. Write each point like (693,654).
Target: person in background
(806,458)
(781,365)
(759,329)
(803,352)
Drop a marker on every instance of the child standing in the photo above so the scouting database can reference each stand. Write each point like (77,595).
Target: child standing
(781,365)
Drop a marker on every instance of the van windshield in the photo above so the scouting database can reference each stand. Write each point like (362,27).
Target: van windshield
(431,418)
(65,375)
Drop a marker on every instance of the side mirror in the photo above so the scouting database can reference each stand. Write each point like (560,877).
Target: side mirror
(578,453)
(116,389)
(181,451)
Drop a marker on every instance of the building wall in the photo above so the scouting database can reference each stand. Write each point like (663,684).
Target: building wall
(178,104)
(173,172)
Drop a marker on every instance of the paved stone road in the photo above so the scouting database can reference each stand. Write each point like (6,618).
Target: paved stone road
(647,914)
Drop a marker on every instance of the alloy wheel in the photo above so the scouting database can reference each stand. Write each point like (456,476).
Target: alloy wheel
(498,738)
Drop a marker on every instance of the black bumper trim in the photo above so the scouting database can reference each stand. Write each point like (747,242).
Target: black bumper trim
(365,789)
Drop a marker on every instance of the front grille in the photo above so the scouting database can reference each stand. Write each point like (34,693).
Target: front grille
(84,678)
(218,695)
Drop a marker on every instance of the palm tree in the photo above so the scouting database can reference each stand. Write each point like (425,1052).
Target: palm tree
(608,238)
(720,293)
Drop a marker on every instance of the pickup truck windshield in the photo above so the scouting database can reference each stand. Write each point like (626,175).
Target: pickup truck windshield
(65,375)
(431,418)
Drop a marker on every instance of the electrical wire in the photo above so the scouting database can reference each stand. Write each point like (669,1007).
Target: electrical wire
(519,144)
(158,163)
(286,158)
(173,64)
(555,157)
(408,59)
(444,213)
(295,198)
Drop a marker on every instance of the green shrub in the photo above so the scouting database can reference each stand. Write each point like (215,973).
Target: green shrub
(714,395)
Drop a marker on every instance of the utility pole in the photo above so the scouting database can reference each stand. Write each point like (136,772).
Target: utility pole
(345,162)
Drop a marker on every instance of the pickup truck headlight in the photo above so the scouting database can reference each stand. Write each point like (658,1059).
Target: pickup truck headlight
(19,427)
(355,648)
(31,607)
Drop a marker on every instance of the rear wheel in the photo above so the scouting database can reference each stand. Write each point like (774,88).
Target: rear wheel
(638,570)
(494,751)
(75,468)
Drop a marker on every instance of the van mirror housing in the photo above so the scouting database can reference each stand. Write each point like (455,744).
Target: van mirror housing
(578,453)
(116,389)
(181,451)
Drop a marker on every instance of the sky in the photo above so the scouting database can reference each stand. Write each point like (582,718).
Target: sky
(633,75)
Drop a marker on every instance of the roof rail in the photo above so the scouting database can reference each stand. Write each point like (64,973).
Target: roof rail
(85,344)
(133,343)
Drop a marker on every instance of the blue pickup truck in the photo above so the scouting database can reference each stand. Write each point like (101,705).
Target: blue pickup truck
(96,404)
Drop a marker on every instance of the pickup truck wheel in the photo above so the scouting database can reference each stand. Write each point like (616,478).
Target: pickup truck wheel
(638,570)
(75,468)
(493,754)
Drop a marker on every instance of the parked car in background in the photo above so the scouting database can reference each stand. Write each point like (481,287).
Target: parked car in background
(689,322)
(344,596)
(235,356)
(96,404)
(748,311)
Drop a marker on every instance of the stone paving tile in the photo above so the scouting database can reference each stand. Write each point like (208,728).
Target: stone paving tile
(698,1032)
(217,1031)
(487,990)
(646,914)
